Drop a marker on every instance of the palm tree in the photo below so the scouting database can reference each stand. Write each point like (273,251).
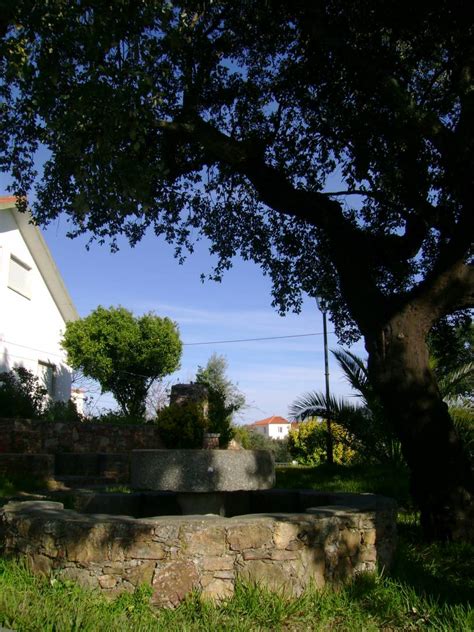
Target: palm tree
(370,434)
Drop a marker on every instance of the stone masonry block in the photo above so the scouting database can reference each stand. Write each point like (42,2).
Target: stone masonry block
(249,536)
(203,540)
(172,581)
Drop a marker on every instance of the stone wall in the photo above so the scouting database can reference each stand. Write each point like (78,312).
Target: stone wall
(40,437)
(176,555)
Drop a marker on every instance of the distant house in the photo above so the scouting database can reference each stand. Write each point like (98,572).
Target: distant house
(273,427)
(34,303)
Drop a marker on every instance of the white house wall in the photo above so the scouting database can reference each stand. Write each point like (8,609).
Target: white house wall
(30,328)
(273,430)
(278,431)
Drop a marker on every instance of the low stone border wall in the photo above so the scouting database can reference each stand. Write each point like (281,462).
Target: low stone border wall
(110,465)
(42,437)
(45,467)
(178,554)
(37,466)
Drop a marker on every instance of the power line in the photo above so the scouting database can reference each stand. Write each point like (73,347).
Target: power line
(17,344)
(185,344)
(219,342)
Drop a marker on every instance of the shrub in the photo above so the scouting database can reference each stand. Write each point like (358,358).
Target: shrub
(62,411)
(307,443)
(117,417)
(242,436)
(255,441)
(224,397)
(463,418)
(367,428)
(21,394)
(182,425)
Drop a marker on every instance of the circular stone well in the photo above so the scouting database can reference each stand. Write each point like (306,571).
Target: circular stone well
(330,539)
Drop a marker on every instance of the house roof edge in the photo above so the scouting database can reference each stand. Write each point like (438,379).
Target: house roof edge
(43,258)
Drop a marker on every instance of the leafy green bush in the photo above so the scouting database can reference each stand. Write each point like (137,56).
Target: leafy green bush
(307,443)
(21,394)
(255,441)
(62,411)
(242,436)
(182,425)
(368,430)
(463,418)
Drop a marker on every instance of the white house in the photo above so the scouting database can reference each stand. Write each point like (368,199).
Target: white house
(34,303)
(273,427)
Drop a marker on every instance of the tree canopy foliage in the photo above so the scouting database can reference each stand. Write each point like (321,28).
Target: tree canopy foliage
(330,142)
(231,119)
(124,353)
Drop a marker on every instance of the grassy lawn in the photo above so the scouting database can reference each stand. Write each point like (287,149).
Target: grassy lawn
(429,586)
(377,479)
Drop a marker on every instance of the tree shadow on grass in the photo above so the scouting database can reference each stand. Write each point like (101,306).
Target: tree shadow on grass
(442,571)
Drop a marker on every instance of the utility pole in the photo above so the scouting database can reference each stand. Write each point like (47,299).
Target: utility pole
(322,306)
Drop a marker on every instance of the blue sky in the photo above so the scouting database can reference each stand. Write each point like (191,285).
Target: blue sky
(270,373)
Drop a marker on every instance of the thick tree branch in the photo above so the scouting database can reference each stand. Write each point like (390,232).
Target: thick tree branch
(361,192)
(315,208)
(447,292)
(273,188)
(353,249)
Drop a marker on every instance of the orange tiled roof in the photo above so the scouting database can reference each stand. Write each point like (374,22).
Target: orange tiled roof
(271,420)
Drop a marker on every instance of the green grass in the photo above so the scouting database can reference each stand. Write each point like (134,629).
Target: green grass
(370,603)
(118,489)
(429,586)
(377,479)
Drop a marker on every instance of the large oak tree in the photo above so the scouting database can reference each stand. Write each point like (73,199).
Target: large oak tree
(227,119)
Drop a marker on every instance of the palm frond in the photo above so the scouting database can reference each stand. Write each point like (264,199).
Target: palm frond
(315,404)
(355,372)
(369,430)
(447,384)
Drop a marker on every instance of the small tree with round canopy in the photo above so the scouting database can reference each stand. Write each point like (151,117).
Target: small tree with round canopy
(124,353)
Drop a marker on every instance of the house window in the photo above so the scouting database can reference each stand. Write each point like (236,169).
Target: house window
(46,375)
(280,428)
(19,277)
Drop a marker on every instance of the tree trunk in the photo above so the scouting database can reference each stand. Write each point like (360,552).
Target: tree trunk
(441,474)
